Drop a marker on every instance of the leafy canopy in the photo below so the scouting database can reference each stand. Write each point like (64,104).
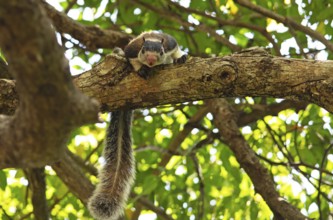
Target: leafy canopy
(201,178)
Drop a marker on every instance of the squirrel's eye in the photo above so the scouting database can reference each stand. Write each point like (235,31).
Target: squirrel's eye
(162,52)
(143,51)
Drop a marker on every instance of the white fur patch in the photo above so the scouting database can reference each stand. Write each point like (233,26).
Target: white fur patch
(152,39)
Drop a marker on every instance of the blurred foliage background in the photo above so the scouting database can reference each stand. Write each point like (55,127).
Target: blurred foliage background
(184,169)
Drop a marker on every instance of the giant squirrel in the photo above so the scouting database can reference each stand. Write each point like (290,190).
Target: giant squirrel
(147,50)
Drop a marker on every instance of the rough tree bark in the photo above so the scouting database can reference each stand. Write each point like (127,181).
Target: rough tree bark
(50,106)
(92,37)
(249,73)
(72,175)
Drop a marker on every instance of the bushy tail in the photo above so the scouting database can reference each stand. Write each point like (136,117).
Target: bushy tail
(117,175)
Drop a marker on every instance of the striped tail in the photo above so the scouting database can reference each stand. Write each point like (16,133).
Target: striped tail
(117,175)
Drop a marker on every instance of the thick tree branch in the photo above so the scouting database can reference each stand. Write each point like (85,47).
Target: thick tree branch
(8,97)
(50,106)
(36,178)
(225,121)
(72,175)
(92,37)
(249,73)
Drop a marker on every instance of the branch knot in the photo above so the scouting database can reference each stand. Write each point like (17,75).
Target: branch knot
(226,72)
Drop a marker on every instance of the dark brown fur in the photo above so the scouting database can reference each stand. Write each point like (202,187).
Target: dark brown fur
(117,175)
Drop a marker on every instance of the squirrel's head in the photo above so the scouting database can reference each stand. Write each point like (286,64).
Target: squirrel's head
(152,52)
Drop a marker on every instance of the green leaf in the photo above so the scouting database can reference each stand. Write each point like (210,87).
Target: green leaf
(149,185)
(325,13)
(3,180)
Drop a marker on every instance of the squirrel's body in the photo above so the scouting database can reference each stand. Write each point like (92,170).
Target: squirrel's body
(150,49)
(109,198)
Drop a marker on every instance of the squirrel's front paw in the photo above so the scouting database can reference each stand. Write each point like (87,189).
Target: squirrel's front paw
(144,72)
(181,60)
